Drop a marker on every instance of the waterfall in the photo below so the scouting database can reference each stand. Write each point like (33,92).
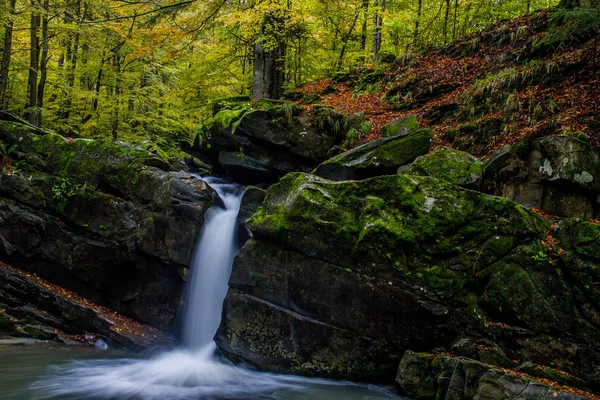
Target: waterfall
(211,267)
(194,372)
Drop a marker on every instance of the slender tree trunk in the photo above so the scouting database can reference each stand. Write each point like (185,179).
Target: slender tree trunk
(32,113)
(455,19)
(117,92)
(71,65)
(43,63)
(345,39)
(417,23)
(379,6)
(365,17)
(6,53)
(446,20)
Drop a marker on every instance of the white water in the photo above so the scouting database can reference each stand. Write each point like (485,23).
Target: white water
(194,372)
(211,267)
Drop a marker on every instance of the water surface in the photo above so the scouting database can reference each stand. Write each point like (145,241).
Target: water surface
(49,371)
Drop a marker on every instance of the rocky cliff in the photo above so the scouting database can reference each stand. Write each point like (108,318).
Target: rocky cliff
(106,220)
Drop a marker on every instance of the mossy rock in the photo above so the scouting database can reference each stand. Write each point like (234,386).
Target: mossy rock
(451,165)
(385,57)
(399,224)
(401,126)
(379,157)
(225,119)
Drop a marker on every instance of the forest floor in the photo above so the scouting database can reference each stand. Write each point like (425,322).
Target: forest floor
(520,79)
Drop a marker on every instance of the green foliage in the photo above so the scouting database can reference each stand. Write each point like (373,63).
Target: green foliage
(66,188)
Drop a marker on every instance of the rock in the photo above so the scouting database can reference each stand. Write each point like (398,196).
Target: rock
(340,278)
(252,199)
(38,311)
(556,175)
(103,219)
(385,57)
(299,139)
(433,376)
(482,350)
(400,127)
(551,374)
(451,165)
(244,169)
(279,139)
(380,157)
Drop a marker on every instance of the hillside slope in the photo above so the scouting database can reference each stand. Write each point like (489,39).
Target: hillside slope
(518,80)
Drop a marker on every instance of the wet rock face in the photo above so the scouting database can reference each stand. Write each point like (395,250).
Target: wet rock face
(102,219)
(560,175)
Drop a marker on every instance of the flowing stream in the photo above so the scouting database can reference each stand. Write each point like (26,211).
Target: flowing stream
(193,371)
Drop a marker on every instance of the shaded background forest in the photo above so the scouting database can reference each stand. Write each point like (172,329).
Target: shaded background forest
(140,70)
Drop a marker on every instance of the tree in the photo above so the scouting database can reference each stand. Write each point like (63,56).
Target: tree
(269,56)
(6,54)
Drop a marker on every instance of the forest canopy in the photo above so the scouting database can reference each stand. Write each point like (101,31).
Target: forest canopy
(141,70)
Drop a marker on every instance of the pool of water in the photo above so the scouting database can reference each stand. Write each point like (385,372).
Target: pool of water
(51,371)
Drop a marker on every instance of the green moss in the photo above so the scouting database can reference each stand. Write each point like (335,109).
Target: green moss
(225,119)
(419,229)
(404,125)
(451,165)
(230,103)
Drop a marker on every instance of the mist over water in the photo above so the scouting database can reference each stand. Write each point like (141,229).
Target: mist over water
(193,371)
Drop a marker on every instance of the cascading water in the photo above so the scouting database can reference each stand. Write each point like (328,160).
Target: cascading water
(211,267)
(194,372)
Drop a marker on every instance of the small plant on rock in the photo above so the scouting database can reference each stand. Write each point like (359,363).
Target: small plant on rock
(7,163)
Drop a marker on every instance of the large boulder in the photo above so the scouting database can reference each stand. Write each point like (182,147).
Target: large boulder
(379,157)
(558,174)
(341,278)
(103,219)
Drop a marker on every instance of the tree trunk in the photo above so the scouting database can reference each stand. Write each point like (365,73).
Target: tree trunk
(365,17)
(32,112)
(43,63)
(446,20)
(117,92)
(269,62)
(417,23)
(345,39)
(379,6)
(455,19)
(6,53)
(71,65)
